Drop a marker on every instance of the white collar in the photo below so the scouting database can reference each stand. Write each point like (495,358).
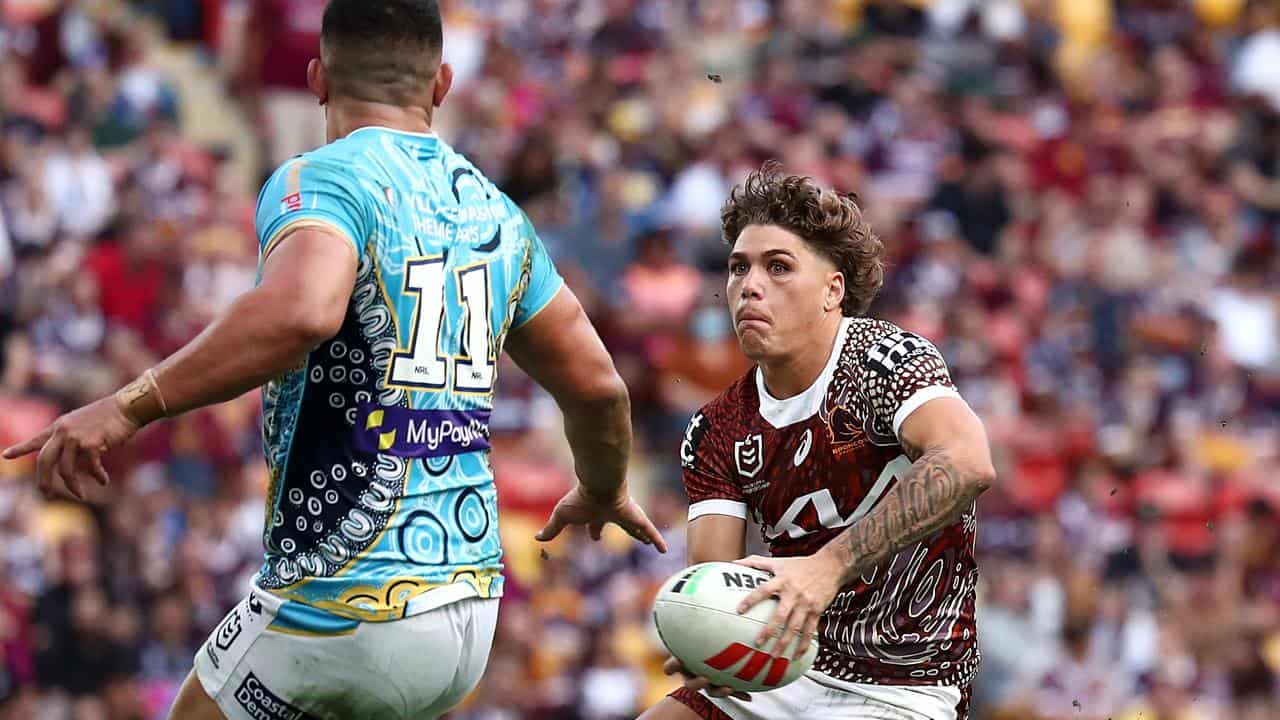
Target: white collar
(781,413)
(429,134)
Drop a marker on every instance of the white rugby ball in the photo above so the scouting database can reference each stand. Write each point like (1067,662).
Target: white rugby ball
(696,612)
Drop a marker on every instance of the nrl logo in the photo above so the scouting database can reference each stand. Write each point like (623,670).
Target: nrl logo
(748,455)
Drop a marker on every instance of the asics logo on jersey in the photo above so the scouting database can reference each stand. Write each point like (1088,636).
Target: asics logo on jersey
(748,455)
(757,661)
(802,452)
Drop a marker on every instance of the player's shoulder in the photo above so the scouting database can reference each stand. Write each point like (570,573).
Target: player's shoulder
(880,345)
(738,400)
(725,415)
(331,163)
(353,154)
(460,170)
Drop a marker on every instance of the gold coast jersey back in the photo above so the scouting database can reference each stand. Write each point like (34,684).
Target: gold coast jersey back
(377,444)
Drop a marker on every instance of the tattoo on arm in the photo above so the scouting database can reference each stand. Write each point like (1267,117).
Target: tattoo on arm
(923,502)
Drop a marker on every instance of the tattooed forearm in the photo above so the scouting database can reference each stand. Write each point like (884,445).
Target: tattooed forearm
(930,497)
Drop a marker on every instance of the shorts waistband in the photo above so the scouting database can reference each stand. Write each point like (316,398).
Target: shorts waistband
(292,615)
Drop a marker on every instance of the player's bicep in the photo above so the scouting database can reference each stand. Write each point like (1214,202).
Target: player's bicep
(308,280)
(715,537)
(948,425)
(561,351)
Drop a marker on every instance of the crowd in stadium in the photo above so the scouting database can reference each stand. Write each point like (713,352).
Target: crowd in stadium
(1081,206)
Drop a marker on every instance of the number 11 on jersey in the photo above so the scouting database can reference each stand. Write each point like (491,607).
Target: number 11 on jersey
(423,365)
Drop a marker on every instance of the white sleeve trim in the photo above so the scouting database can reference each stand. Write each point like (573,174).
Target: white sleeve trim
(718,506)
(922,396)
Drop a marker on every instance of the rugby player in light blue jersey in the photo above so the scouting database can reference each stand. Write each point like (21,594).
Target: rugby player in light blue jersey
(392,274)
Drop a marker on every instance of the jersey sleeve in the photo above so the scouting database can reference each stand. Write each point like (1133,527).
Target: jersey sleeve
(312,192)
(901,371)
(544,281)
(703,461)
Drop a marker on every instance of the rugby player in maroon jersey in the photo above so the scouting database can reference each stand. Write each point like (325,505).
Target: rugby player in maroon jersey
(851,449)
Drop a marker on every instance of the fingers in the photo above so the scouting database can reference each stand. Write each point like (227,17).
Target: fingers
(29,446)
(46,463)
(768,564)
(761,592)
(777,623)
(673,666)
(810,632)
(66,468)
(697,682)
(551,529)
(794,625)
(96,468)
(642,528)
(721,691)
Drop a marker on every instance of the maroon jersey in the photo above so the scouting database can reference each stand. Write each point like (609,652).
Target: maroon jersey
(807,467)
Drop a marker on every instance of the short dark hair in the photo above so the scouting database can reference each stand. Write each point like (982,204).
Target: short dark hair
(828,221)
(382,50)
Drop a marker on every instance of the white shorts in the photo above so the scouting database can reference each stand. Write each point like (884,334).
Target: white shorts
(418,667)
(819,696)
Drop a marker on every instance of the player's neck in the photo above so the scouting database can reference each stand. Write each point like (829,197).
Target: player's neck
(347,116)
(789,375)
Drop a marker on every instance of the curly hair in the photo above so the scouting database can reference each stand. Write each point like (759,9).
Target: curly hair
(828,221)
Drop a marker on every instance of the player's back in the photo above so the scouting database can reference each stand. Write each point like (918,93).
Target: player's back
(377,445)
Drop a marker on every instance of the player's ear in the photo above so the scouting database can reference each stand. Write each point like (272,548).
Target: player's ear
(317,81)
(835,292)
(444,81)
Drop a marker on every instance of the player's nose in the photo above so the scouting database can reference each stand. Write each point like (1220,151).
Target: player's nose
(752,285)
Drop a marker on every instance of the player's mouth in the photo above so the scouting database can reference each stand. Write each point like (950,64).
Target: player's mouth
(746,318)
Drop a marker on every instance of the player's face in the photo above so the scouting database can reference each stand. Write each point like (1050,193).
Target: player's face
(780,292)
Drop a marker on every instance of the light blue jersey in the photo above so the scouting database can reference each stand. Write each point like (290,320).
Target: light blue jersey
(381,487)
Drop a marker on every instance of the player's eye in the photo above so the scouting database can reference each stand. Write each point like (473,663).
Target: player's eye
(737,267)
(778,268)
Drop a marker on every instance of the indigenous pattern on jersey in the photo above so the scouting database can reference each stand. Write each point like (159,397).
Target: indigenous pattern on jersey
(807,467)
(378,442)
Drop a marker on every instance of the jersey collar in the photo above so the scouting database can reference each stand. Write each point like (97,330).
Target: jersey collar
(383,128)
(781,413)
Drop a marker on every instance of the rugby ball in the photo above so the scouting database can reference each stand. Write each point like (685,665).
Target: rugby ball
(696,612)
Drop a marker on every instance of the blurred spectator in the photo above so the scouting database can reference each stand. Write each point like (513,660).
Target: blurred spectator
(281,37)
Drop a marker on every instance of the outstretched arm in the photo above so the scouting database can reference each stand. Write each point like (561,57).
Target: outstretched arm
(300,302)
(562,352)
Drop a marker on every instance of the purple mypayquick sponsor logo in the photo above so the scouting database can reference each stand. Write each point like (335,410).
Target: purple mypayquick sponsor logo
(410,433)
